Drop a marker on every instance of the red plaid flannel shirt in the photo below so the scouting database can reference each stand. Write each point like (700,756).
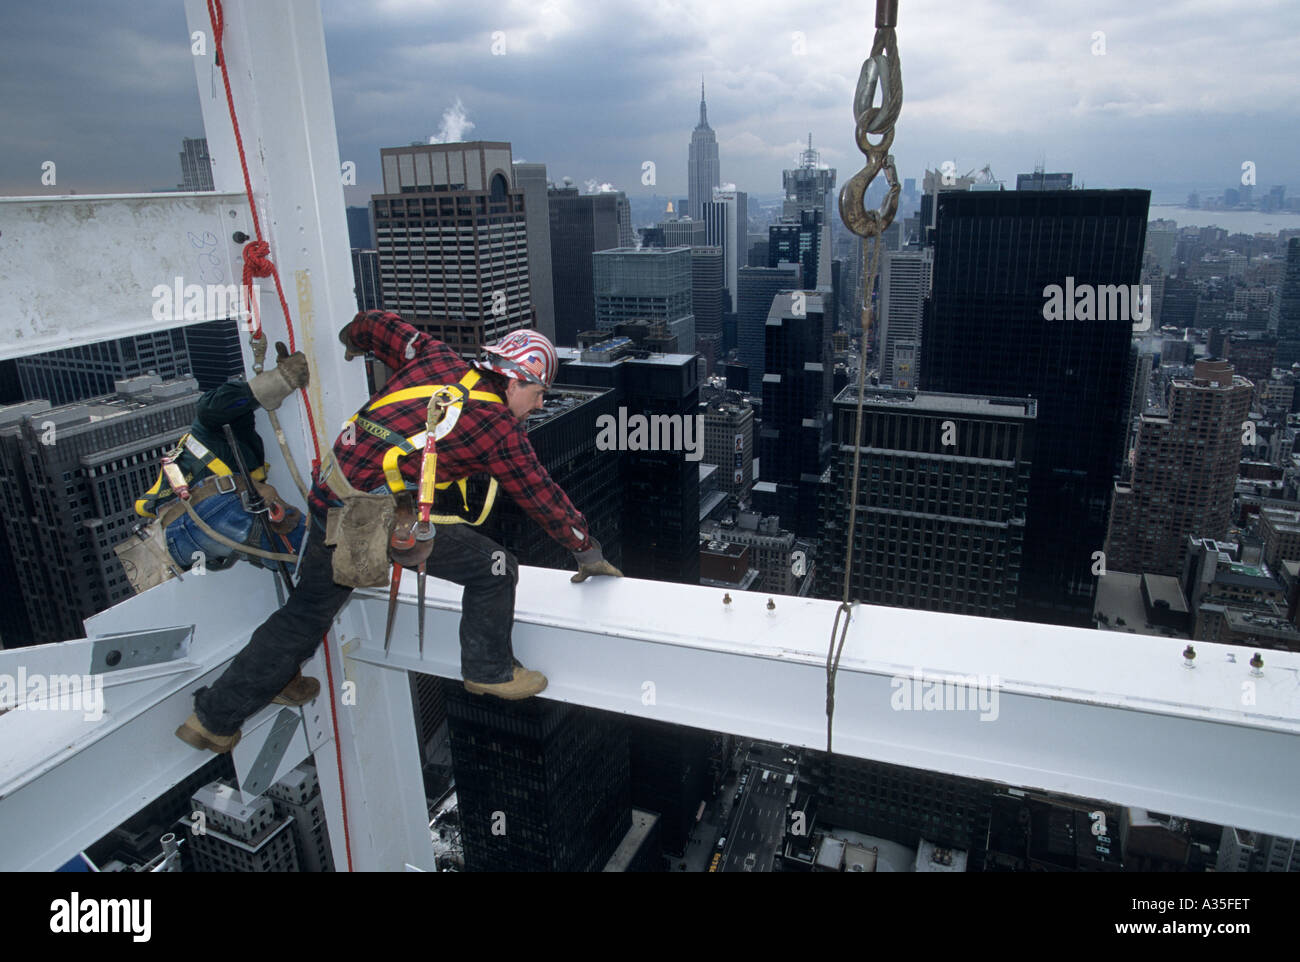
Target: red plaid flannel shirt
(486,439)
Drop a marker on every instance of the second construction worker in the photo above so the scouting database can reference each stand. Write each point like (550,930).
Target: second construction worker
(375,465)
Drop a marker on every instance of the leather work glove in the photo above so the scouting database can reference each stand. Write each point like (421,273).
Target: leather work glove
(592,562)
(350,349)
(290,373)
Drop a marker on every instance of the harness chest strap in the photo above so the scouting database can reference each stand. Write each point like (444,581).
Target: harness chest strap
(400,446)
(146,505)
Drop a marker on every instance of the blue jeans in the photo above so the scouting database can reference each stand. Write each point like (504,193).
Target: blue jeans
(290,635)
(225,514)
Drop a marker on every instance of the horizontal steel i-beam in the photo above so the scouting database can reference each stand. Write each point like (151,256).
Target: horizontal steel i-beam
(1094,714)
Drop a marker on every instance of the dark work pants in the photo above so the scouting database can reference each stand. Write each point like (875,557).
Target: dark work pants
(290,635)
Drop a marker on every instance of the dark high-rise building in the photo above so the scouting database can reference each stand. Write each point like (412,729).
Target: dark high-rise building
(1178,306)
(541,786)
(707,298)
(661,486)
(702,171)
(1184,473)
(90,370)
(942,494)
(366,280)
(215,352)
(1286,308)
(997,257)
(360,232)
(794,440)
(799,243)
(1252,357)
(902,805)
(564,436)
(757,288)
(451,231)
(69,479)
(581,224)
(669,772)
(531,179)
(11,389)
(196,165)
(654,284)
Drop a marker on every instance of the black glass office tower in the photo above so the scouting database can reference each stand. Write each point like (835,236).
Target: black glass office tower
(581,224)
(795,438)
(757,287)
(542,786)
(564,436)
(996,253)
(799,243)
(661,488)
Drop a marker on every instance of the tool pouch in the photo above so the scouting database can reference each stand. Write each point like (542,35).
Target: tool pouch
(359,532)
(146,560)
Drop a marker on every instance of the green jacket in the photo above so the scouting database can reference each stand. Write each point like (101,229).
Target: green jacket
(232,403)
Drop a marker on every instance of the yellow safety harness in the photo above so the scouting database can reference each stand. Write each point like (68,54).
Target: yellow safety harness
(400,447)
(147,505)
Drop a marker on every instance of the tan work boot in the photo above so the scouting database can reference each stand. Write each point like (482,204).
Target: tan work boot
(525,684)
(299,691)
(193,733)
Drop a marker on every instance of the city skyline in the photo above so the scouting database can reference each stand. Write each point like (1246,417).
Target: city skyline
(989,88)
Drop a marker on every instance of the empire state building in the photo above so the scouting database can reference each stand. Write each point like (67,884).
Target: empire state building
(702,164)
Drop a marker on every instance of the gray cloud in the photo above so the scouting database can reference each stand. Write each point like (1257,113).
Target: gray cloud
(1185,90)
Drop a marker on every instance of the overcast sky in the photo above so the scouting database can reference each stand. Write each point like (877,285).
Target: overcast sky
(1185,91)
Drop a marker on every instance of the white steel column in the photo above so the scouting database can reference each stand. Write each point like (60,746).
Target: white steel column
(275,54)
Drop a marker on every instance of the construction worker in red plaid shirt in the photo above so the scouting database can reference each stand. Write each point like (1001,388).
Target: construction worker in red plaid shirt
(378,454)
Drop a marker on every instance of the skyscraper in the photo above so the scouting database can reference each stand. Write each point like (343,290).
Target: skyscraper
(196,165)
(997,254)
(531,179)
(452,237)
(580,225)
(653,284)
(707,288)
(810,186)
(360,229)
(800,241)
(702,171)
(661,487)
(367,283)
(726,216)
(942,494)
(564,436)
(1286,308)
(1184,473)
(69,478)
(541,786)
(215,352)
(757,288)
(90,370)
(905,278)
(729,442)
(794,439)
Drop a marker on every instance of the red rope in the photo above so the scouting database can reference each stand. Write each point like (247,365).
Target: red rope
(257,263)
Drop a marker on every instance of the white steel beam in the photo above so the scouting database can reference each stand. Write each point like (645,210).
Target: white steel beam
(1087,713)
(133,253)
